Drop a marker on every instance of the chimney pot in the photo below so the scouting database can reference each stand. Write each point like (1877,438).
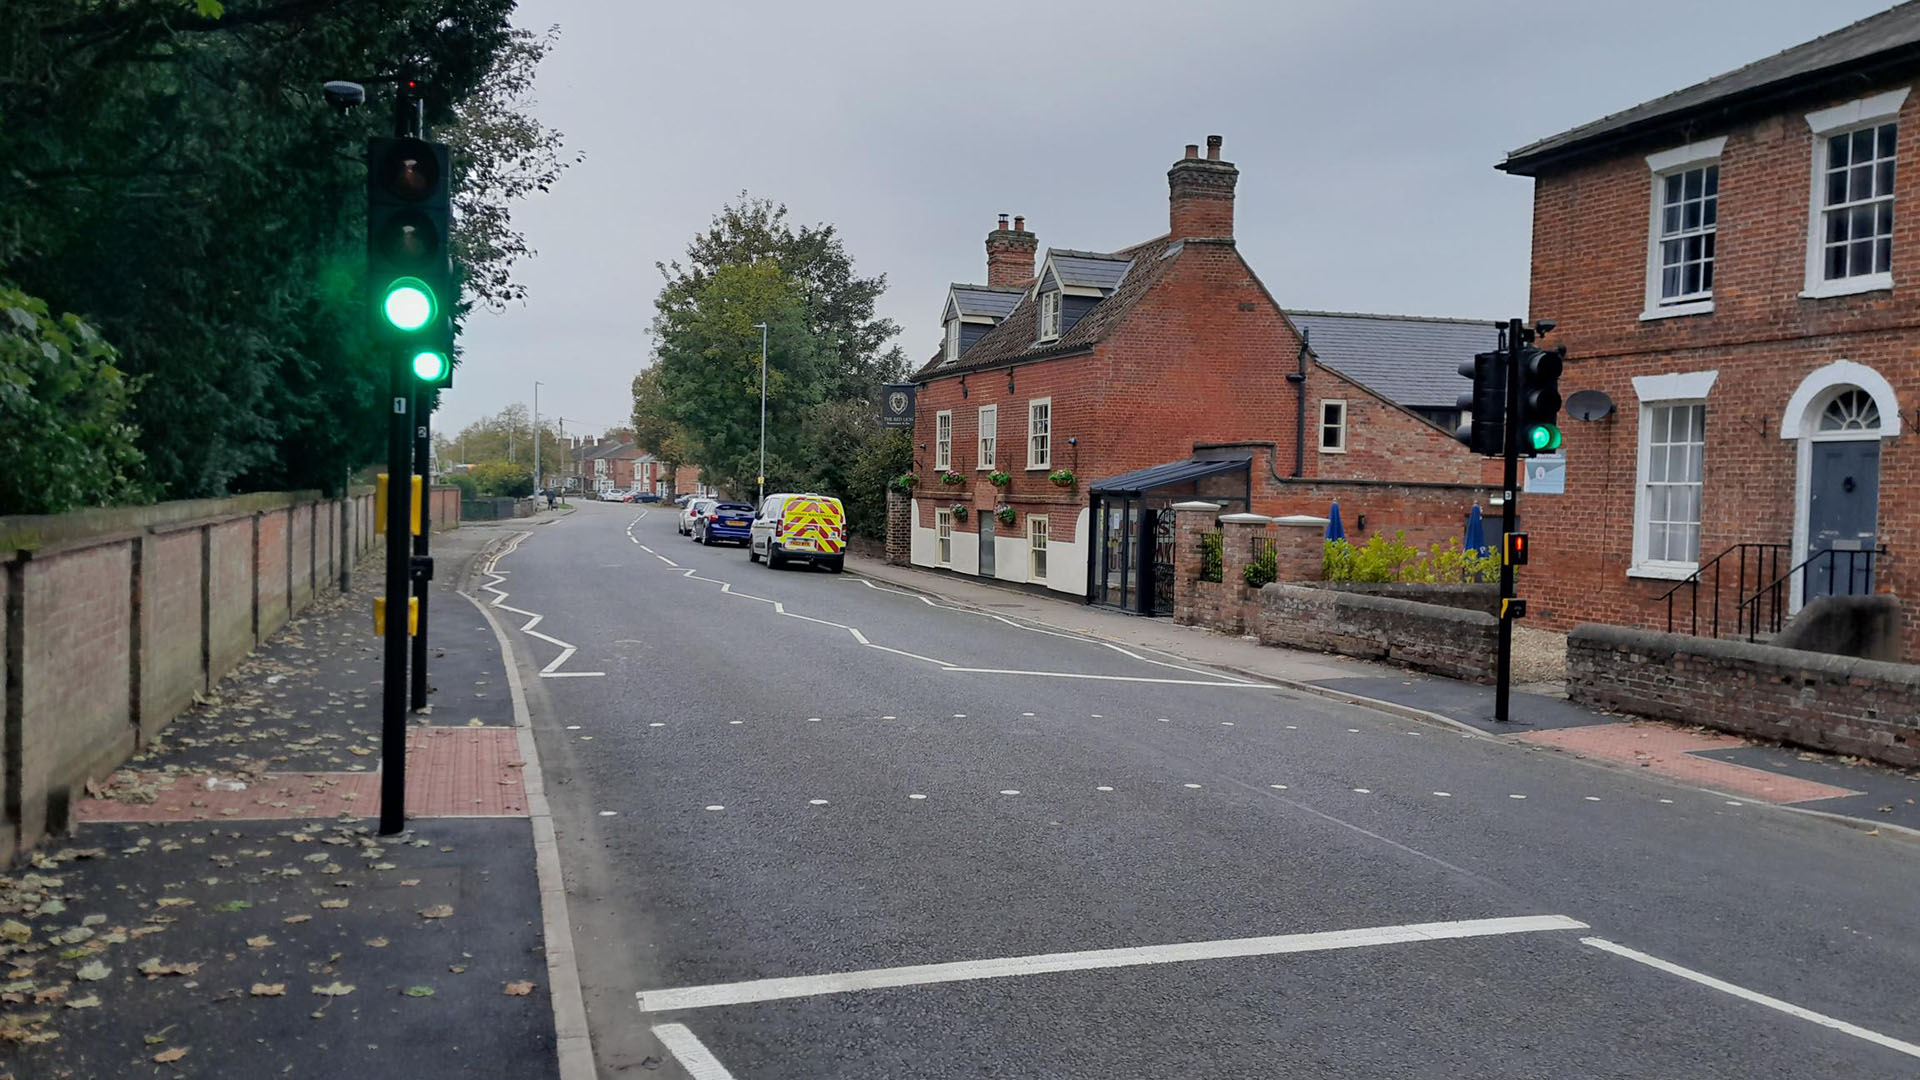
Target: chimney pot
(1193,151)
(1200,194)
(1020,223)
(1010,254)
(1213,147)
(1003,221)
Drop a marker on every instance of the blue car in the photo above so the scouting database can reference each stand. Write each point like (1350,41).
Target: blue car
(728,522)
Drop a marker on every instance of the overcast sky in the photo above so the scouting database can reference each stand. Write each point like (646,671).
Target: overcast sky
(1365,132)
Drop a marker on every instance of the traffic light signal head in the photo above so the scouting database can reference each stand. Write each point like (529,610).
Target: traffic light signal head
(409,257)
(1486,404)
(1540,400)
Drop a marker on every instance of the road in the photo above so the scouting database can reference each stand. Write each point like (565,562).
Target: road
(813,826)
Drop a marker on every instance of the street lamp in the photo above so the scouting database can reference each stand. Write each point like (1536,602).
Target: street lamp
(763,411)
(536,438)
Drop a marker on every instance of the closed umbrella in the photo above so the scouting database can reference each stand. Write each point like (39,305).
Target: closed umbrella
(1476,538)
(1334,529)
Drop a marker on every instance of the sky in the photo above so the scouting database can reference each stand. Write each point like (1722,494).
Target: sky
(1365,131)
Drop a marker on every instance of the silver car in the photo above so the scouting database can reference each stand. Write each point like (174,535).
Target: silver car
(696,508)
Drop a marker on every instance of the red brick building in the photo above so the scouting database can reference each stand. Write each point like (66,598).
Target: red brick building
(1737,267)
(597,464)
(1101,387)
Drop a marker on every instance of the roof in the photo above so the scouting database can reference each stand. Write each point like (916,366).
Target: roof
(1888,37)
(1012,341)
(1089,269)
(993,301)
(1411,361)
(1154,477)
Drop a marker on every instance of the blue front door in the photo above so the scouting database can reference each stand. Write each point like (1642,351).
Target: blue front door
(1843,511)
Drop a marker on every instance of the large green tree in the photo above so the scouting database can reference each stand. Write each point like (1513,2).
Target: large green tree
(174,176)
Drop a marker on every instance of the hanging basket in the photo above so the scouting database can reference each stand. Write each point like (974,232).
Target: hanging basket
(1005,514)
(952,479)
(959,511)
(1000,479)
(1062,478)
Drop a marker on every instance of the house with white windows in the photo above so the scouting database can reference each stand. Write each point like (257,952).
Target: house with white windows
(1734,269)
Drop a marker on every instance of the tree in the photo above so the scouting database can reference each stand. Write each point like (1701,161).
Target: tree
(63,403)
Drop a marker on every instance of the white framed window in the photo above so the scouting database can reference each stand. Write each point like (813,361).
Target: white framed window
(1850,224)
(1333,427)
(953,340)
(1036,547)
(943,537)
(1670,475)
(1684,225)
(989,430)
(1049,314)
(1040,433)
(943,440)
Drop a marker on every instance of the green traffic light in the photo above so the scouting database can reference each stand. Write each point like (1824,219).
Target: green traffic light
(429,366)
(408,304)
(1543,437)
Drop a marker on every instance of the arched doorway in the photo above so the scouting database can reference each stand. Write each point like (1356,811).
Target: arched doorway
(1838,416)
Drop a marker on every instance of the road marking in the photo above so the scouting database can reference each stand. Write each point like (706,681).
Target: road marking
(1105,678)
(1103,787)
(817,802)
(1855,1030)
(716,806)
(740,993)
(1010,791)
(668,561)
(1444,794)
(690,1052)
(551,671)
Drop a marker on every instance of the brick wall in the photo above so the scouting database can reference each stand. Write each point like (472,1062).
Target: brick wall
(899,540)
(114,619)
(1590,252)
(1866,708)
(1446,641)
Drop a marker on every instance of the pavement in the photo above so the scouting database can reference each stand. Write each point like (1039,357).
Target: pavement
(870,824)
(227,909)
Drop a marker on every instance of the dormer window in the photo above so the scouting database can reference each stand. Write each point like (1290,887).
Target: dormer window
(953,340)
(1049,315)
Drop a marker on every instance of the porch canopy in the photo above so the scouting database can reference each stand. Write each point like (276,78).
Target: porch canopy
(1181,479)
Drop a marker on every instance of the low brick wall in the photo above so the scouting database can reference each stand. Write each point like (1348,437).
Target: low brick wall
(1466,597)
(1443,640)
(1867,708)
(114,619)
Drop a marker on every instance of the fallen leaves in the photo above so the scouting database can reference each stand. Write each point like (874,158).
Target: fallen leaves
(91,1001)
(377,943)
(167,1056)
(334,989)
(518,989)
(292,919)
(437,911)
(269,990)
(418,991)
(93,971)
(261,941)
(15,931)
(153,967)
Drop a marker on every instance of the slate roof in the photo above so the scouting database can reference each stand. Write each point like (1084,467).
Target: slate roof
(1888,38)
(1013,338)
(1089,269)
(1411,361)
(993,301)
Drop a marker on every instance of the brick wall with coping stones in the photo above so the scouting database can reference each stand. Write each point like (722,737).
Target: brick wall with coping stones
(1866,708)
(1445,641)
(73,620)
(899,538)
(1590,247)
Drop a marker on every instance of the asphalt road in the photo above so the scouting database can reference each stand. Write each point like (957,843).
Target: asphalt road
(795,775)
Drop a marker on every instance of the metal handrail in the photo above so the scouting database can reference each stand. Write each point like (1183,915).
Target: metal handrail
(1772,590)
(1763,557)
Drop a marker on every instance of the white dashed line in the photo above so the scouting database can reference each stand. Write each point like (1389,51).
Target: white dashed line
(1516,796)
(1362,791)
(692,1054)
(816,802)
(916,795)
(1010,791)
(1195,787)
(1103,787)
(1278,787)
(1444,794)
(609,813)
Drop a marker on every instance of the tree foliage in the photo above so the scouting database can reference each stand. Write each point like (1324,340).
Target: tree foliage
(505,437)
(826,355)
(63,407)
(174,176)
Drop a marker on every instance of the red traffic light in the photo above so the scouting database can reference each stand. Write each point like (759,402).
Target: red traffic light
(407,169)
(1516,549)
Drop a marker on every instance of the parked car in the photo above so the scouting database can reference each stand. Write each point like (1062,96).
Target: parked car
(694,509)
(724,522)
(681,501)
(648,497)
(803,527)
(611,495)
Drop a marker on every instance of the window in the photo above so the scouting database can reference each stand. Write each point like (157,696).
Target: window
(1689,214)
(943,441)
(1850,226)
(1673,441)
(953,340)
(1049,314)
(1036,547)
(989,429)
(1333,427)
(1040,434)
(1851,410)
(943,538)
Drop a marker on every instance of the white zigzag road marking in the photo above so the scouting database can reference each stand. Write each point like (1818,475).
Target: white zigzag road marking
(552,670)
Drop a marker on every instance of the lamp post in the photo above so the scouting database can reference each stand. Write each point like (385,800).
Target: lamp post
(536,439)
(763,412)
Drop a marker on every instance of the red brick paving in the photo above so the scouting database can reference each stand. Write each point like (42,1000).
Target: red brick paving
(1671,752)
(451,772)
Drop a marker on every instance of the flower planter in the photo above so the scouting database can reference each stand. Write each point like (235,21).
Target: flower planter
(1062,478)
(1005,514)
(959,512)
(1000,480)
(952,479)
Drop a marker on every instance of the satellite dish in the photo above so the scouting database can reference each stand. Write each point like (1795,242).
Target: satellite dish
(1590,405)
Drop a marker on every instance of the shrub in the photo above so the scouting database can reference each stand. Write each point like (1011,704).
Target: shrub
(1385,559)
(502,479)
(1212,558)
(465,482)
(1263,570)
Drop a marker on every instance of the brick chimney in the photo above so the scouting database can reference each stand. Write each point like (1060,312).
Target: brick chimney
(1200,194)
(1010,253)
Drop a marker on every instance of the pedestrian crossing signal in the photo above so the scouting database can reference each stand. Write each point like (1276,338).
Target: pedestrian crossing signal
(1516,549)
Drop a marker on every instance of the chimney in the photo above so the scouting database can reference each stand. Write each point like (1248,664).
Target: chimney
(1010,253)
(1200,194)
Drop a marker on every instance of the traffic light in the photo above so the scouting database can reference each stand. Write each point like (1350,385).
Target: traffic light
(1486,432)
(1540,400)
(409,254)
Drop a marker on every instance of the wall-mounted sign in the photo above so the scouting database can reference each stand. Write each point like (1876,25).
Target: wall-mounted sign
(896,405)
(1546,474)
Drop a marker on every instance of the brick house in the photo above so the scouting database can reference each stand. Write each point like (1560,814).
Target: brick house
(1729,265)
(1102,387)
(596,464)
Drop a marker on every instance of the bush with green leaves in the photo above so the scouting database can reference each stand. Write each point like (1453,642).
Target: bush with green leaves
(1212,557)
(63,414)
(1264,570)
(502,479)
(1385,558)
(469,489)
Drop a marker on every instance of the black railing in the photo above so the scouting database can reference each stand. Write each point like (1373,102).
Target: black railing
(1749,565)
(1767,605)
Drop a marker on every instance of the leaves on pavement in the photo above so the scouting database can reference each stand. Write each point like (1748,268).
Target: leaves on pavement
(93,971)
(334,989)
(175,1054)
(418,991)
(261,941)
(153,967)
(519,989)
(437,911)
(269,990)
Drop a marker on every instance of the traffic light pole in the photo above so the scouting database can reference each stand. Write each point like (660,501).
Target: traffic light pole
(422,567)
(393,689)
(1509,499)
